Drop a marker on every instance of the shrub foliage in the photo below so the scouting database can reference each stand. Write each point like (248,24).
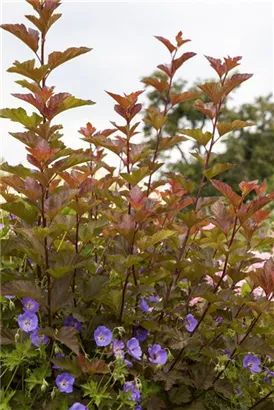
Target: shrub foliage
(119,289)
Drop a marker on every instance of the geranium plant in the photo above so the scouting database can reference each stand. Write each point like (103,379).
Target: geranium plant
(119,289)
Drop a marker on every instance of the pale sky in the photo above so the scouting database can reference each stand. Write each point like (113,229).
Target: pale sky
(124,50)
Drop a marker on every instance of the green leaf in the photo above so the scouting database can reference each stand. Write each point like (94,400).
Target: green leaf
(18,170)
(157,237)
(20,115)
(72,102)
(216,170)
(59,57)
(202,137)
(225,127)
(28,69)
(22,209)
(112,298)
(136,176)
(246,289)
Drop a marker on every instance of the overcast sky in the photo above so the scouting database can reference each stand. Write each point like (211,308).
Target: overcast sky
(124,50)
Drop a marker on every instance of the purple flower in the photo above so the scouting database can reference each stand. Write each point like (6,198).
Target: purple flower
(128,363)
(142,270)
(28,321)
(157,355)
(134,348)
(138,407)
(78,406)
(252,363)
(219,320)
(227,352)
(30,305)
(58,356)
(144,306)
(102,336)
(65,382)
(36,339)
(9,297)
(191,322)
(135,392)
(140,333)
(238,392)
(154,299)
(70,321)
(117,347)
(269,374)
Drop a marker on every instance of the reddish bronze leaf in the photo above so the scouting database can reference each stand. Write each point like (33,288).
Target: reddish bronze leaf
(67,336)
(232,62)
(180,61)
(59,57)
(34,100)
(29,36)
(247,186)
(264,277)
(186,96)
(167,43)
(179,39)
(227,191)
(234,81)
(126,101)
(160,85)
(166,69)
(95,366)
(207,109)
(217,64)
(213,90)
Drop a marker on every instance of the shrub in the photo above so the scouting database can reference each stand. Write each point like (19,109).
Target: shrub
(120,290)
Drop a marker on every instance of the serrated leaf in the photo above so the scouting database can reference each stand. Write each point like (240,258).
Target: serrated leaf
(29,36)
(182,97)
(157,237)
(113,299)
(167,43)
(7,335)
(95,366)
(92,288)
(136,176)
(227,191)
(21,288)
(28,69)
(45,21)
(213,90)
(20,115)
(225,127)
(67,364)
(202,137)
(72,102)
(67,336)
(22,209)
(18,170)
(216,170)
(59,57)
